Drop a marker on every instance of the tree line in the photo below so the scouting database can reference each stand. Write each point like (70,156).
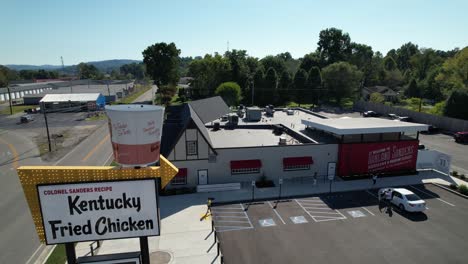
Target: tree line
(334,73)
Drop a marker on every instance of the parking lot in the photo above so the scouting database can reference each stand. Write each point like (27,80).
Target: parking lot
(344,227)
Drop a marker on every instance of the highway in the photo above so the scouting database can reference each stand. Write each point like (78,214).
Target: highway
(19,242)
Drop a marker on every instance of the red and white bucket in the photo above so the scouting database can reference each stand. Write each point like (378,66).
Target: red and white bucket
(135,133)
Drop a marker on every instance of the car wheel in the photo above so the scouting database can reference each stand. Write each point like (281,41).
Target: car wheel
(402,208)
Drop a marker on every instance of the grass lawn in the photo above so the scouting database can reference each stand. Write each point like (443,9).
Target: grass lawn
(140,89)
(58,256)
(16,109)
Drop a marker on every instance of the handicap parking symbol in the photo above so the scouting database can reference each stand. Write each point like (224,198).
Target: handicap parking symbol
(298,219)
(356,213)
(267,222)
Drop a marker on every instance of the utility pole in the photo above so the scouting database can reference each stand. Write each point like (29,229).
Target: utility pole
(47,125)
(108,90)
(9,98)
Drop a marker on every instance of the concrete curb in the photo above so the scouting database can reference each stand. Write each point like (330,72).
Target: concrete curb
(449,190)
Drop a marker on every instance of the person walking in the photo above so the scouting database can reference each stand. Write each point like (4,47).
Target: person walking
(374,179)
(315,179)
(388,200)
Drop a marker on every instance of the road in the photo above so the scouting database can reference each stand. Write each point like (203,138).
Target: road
(18,240)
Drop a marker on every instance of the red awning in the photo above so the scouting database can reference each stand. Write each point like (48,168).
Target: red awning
(182,172)
(246,164)
(297,161)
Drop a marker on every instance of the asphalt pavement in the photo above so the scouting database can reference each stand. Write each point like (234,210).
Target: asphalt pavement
(19,242)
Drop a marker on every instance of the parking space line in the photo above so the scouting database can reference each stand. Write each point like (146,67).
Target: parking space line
(433,196)
(340,213)
(229,212)
(228,208)
(277,214)
(246,215)
(317,208)
(232,229)
(329,219)
(231,221)
(319,212)
(305,210)
(368,211)
(228,216)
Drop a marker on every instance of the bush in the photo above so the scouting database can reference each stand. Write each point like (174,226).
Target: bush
(455,173)
(453,186)
(463,189)
(462,176)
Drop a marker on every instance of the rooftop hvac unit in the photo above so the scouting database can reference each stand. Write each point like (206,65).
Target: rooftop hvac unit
(282,140)
(290,112)
(233,119)
(216,126)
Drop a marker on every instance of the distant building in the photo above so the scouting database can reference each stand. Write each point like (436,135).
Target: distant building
(73,102)
(389,94)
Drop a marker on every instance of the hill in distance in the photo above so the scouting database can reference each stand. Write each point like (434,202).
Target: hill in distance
(104,66)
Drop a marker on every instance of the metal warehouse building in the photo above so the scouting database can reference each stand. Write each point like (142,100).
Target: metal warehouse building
(79,102)
(288,145)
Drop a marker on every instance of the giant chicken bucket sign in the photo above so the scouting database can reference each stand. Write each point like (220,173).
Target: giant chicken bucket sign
(135,133)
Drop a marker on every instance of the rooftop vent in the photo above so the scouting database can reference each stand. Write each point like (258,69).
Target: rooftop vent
(216,126)
(282,140)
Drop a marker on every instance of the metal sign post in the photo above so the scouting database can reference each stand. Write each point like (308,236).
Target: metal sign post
(253,191)
(280,181)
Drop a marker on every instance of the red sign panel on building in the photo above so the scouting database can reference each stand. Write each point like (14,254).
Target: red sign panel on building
(363,158)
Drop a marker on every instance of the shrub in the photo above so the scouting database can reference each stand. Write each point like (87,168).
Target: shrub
(453,186)
(462,176)
(455,173)
(463,189)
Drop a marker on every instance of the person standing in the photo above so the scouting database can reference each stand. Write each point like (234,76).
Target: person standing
(315,179)
(374,179)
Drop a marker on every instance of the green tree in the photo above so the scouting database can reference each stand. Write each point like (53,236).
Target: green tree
(454,72)
(274,62)
(456,105)
(269,94)
(300,82)
(389,64)
(88,71)
(208,73)
(137,70)
(341,80)
(313,86)
(404,54)
(239,69)
(310,60)
(284,85)
(333,46)
(413,90)
(423,62)
(361,56)
(230,92)
(377,98)
(162,62)
(392,78)
(259,85)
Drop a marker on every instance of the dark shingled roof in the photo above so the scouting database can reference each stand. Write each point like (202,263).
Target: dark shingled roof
(178,118)
(210,109)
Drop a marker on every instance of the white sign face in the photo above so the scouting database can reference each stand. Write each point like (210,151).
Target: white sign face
(331,170)
(99,210)
(280,181)
(253,183)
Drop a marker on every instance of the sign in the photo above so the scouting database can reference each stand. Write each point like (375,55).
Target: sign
(122,258)
(33,176)
(280,181)
(363,158)
(331,170)
(253,183)
(135,133)
(99,210)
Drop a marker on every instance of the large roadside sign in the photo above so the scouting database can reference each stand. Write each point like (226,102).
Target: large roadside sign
(99,210)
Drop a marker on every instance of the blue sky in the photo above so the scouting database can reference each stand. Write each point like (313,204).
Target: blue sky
(40,31)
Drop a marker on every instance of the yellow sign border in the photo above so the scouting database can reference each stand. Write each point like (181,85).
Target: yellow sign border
(31,176)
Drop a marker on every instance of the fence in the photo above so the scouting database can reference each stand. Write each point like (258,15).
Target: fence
(218,244)
(443,122)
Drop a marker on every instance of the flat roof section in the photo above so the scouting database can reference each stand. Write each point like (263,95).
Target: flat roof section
(369,125)
(245,137)
(84,97)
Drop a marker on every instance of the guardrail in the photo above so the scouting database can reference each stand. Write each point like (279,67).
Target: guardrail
(92,249)
(218,244)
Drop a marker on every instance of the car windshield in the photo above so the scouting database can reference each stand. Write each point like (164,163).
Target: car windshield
(412,197)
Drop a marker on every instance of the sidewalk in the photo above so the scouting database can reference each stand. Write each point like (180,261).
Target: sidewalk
(190,240)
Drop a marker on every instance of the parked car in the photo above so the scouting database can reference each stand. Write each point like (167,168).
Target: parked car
(405,199)
(26,119)
(392,116)
(370,114)
(461,137)
(431,130)
(404,119)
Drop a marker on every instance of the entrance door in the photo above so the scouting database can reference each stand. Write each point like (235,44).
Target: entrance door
(202,177)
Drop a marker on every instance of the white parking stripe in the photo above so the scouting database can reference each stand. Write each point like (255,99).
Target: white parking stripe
(331,212)
(277,214)
(340,213)
(331,219)
(231,221)
(368,211)
(240,212)
(433,196)
(316,208)
(305,210)
(227,208)
(246,215)
(233,229)
(228,216)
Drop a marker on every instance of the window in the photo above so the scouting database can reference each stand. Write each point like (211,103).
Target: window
(179,180)
(296,167)
(192,148)
(245,170)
